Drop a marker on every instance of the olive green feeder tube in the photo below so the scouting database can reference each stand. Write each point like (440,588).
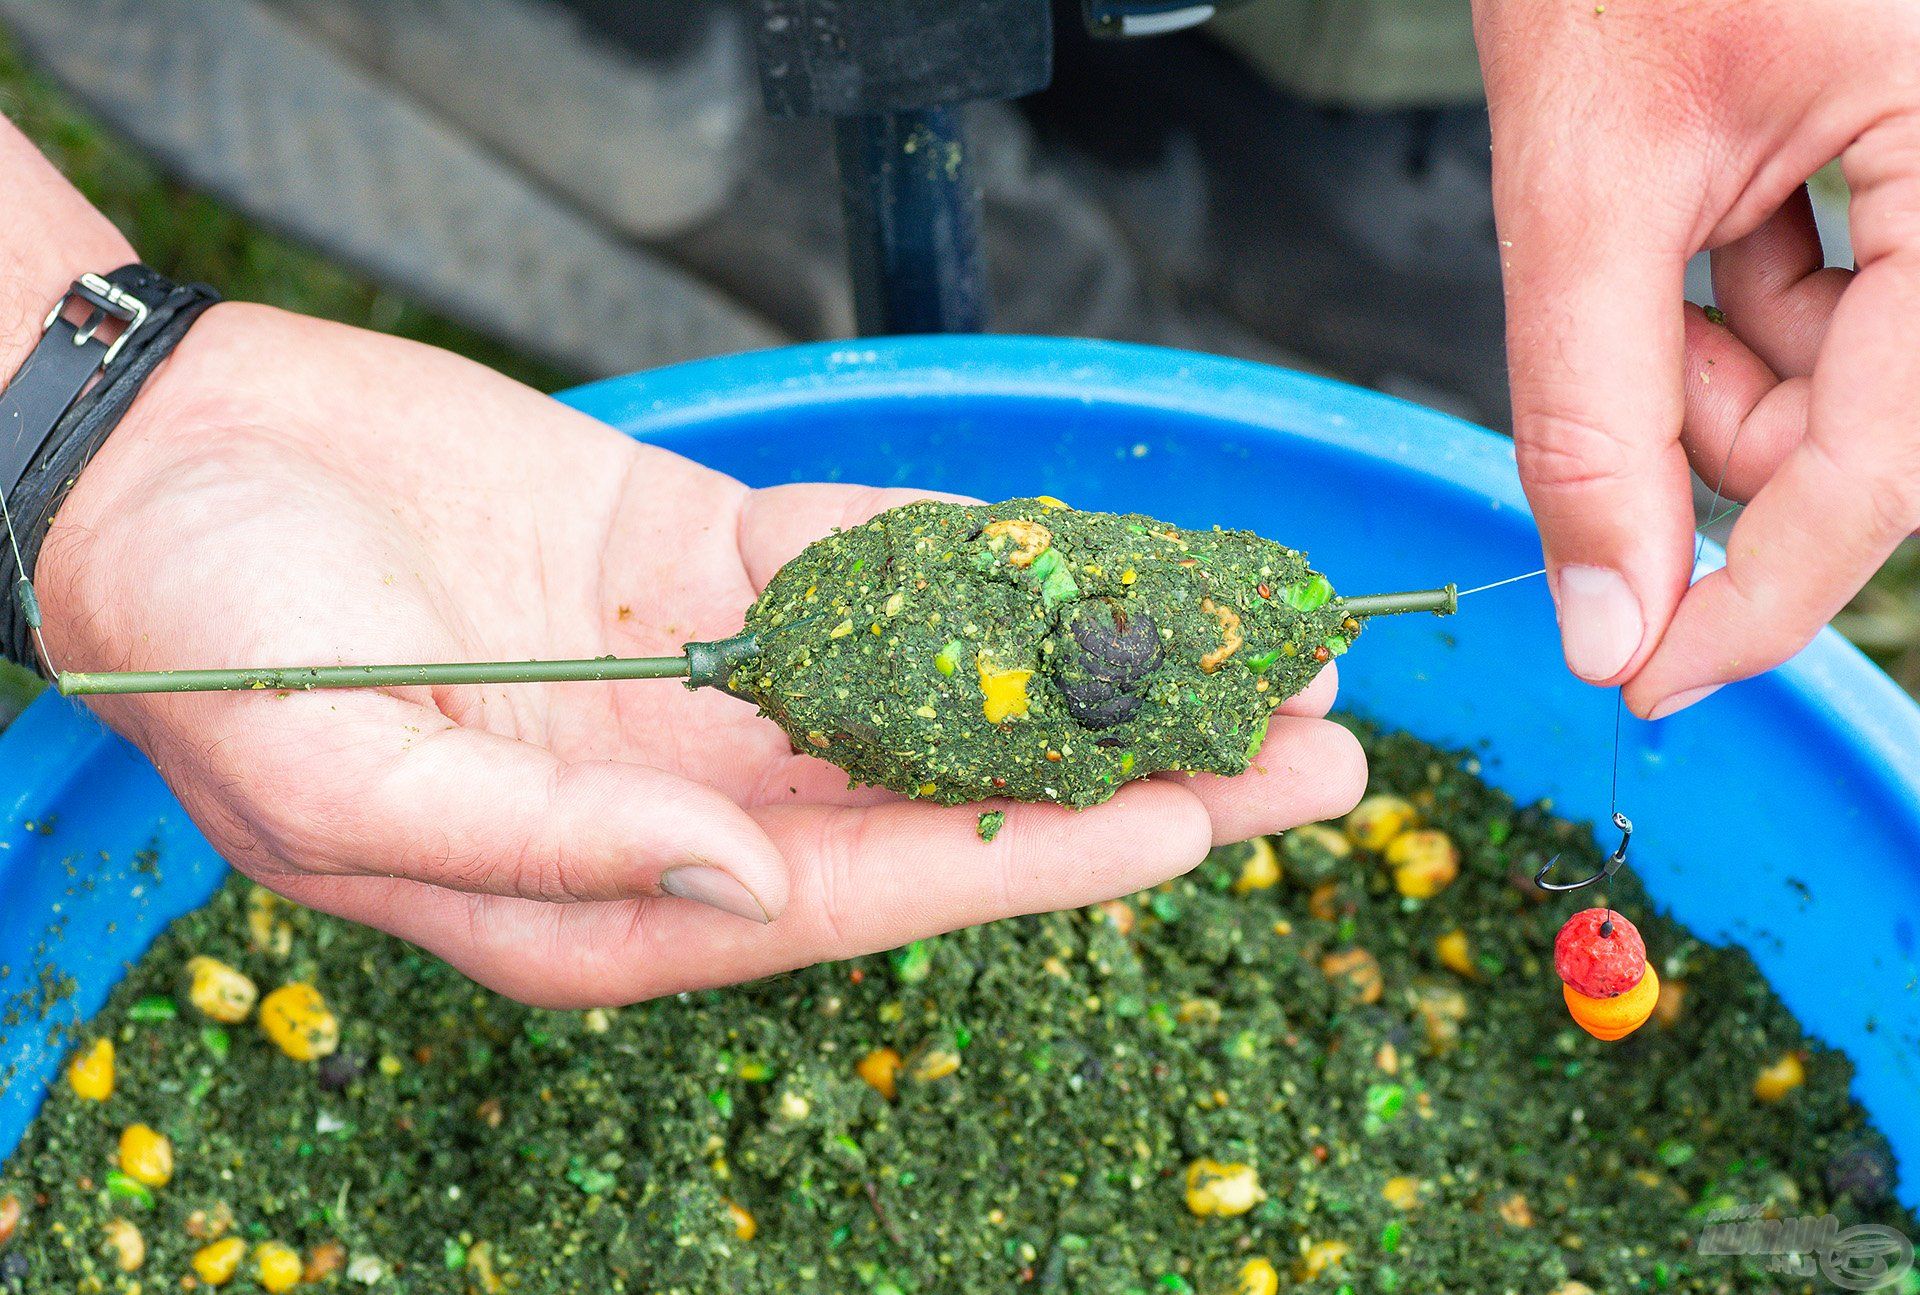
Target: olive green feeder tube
(704,665)
(1444,601)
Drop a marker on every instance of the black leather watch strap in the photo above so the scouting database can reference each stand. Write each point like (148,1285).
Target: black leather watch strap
(73,347)
(52,422)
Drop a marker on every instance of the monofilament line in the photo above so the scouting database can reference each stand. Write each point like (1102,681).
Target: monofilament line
(1699,547)
(1480,589)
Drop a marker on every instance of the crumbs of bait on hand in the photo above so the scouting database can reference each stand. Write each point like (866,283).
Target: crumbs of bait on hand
(990,824)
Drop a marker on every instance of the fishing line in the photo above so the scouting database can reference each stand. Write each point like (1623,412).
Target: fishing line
(1621,821)
(23,593)
(1699,547)
(1480,589)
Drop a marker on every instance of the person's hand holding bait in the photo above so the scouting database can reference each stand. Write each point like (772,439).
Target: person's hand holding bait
(289,491)
(1627,137)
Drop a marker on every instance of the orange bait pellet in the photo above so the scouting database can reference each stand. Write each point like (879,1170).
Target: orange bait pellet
(1618,1016)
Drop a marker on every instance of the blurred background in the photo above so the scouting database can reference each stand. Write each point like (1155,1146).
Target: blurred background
(565,189)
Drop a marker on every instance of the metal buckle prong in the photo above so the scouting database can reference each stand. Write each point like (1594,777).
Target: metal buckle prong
(107,301)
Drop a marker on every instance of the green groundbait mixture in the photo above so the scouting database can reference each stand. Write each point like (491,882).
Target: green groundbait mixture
(1283,1070)
(1036,652)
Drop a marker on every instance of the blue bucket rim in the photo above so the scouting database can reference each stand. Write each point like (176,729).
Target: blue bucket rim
(1867,713)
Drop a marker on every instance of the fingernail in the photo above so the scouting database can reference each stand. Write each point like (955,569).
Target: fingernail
(1681,700)
(715,889)
(1600,621)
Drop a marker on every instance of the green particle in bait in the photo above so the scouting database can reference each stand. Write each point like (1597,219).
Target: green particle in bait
(990,824)
(1035,652)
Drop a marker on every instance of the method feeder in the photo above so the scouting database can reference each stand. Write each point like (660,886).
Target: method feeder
(956,653)
(702,665)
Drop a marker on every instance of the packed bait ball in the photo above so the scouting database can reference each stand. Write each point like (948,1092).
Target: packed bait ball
(1028,650)
(1610,987)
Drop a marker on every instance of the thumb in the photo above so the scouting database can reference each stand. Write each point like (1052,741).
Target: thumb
(1595,330)
(370,784)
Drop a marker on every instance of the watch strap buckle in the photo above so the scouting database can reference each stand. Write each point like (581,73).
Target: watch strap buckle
(104,301)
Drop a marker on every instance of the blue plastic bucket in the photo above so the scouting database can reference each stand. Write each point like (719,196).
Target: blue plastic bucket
(1783,813)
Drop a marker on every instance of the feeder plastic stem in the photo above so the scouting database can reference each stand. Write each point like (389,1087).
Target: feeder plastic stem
(1444,601)
(705,664)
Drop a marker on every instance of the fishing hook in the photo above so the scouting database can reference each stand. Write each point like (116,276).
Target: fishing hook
(1607,869)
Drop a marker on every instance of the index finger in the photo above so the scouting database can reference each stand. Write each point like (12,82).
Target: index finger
(1594,339)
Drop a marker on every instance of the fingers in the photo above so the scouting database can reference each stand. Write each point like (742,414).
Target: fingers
(1594,333)
(776,523)
(1838,504)
(1776,290)
(864,880)
(1307,770)
(368,783)
(1741,420)
(1316,699)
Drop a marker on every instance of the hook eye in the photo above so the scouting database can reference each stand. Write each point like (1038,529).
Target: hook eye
(1611,866)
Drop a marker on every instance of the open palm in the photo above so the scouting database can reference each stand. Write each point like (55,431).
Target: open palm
(290,492)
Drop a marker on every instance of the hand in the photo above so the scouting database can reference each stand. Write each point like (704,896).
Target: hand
(291,492)
(1626,137)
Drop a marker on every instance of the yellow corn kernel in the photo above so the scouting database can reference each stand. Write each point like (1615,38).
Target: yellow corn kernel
(267,931)
(126,1245)
(277,1266)
(880,1069)
(1214,1188)
(934,1063)
(1361,971)
(744,1224)
(1441,1008)
(1003,692)
(1199,1011)
(296,1018)
(1376,820)
(146,1155)
(1257,1277)
(1401,1192)
(480,1269)
(90,1073)
(1309,837)
(1780,1078)
(1319,1257)
(219,991)
(1048,501)
(1261,871)
(1456,954)
(1424,862)
(210,1225)
(216,1264)
(1030,539)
